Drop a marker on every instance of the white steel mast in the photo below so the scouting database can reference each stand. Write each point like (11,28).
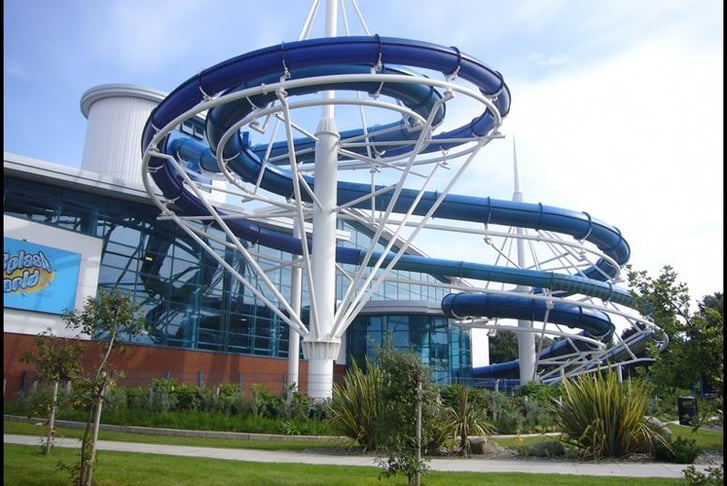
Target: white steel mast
(321,347)
(525,338)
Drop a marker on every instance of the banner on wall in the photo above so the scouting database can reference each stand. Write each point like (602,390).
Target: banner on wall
(39,278)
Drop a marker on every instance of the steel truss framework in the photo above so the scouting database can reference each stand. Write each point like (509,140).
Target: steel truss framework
(269,124)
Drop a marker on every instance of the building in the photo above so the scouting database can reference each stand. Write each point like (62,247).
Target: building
(96,227)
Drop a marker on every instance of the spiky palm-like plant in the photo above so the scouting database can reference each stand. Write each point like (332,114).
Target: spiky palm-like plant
(356,405)
(602,417)
(466,419)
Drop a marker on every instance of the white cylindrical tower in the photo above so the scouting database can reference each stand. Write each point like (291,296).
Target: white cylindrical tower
(116,116)
(525,338)
(321,347)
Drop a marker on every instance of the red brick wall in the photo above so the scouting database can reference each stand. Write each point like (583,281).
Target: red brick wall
(142,364)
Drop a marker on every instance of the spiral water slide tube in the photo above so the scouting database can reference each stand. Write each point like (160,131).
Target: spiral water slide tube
(332,59)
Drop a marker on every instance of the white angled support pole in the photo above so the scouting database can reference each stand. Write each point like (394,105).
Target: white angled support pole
(296,297)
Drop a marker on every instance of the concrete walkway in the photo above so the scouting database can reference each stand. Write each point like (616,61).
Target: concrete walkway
(473,464)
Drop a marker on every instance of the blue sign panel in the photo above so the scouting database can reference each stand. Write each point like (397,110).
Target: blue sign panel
(39,278)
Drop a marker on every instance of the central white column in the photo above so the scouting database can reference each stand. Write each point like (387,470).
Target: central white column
(525,338)
(320,347)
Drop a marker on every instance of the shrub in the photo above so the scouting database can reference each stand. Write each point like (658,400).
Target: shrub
(494,402)
(319,410)
(602,417)
(30,404)
(465,418)
(678,451)
(540,392)
(161,395)
(263,403)
(137,398)
(188,397)
(225,399)
(714,476)
(356,406)
(510,419)
(116,400)
(537,414)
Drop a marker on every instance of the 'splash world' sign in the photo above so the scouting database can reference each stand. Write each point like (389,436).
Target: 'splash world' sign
(39,278)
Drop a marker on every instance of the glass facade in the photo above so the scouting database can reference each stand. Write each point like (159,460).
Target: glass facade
(193,303)
(444,349)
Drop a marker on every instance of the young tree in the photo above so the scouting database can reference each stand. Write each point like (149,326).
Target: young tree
(707,334)
(695,351)
(107,317)
(410,406)
(57,360)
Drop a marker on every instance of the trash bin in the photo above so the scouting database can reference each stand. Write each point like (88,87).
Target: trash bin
(687,409)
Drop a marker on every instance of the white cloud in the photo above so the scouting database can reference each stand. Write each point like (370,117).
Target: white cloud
(549,61)
(635,141)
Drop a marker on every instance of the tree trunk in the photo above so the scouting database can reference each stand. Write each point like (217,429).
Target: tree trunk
(96,426)
(417,474)
(85,442)
(52,420)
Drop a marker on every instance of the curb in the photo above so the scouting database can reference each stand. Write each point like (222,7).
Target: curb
(208,434)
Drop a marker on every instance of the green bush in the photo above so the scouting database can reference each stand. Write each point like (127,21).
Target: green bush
(31,404)
(225,399)
(602,417)
(678,450)
(136,398)
(172,405)
(500,412)
(356,405)
(539,392)
(161,395)
(714,476)
(528,411)
(510,419)
(465,419)
(116,399)
(537,413)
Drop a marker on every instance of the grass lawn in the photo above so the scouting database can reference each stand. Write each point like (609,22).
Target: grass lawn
(705,438)
(26,465)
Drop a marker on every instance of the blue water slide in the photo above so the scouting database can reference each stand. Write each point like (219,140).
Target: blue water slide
(417,97)
(357,55)
(511,369)
(455,207)
(594,323)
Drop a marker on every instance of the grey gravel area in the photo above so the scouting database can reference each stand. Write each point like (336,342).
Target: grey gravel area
(712,458)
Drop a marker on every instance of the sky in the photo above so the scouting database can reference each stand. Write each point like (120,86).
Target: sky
(617,105)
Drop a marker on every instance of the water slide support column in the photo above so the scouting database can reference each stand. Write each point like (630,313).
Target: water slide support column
(320,346)
(296,297)
(525,338)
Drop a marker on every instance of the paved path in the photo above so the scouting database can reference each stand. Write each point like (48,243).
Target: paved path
(474,464)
